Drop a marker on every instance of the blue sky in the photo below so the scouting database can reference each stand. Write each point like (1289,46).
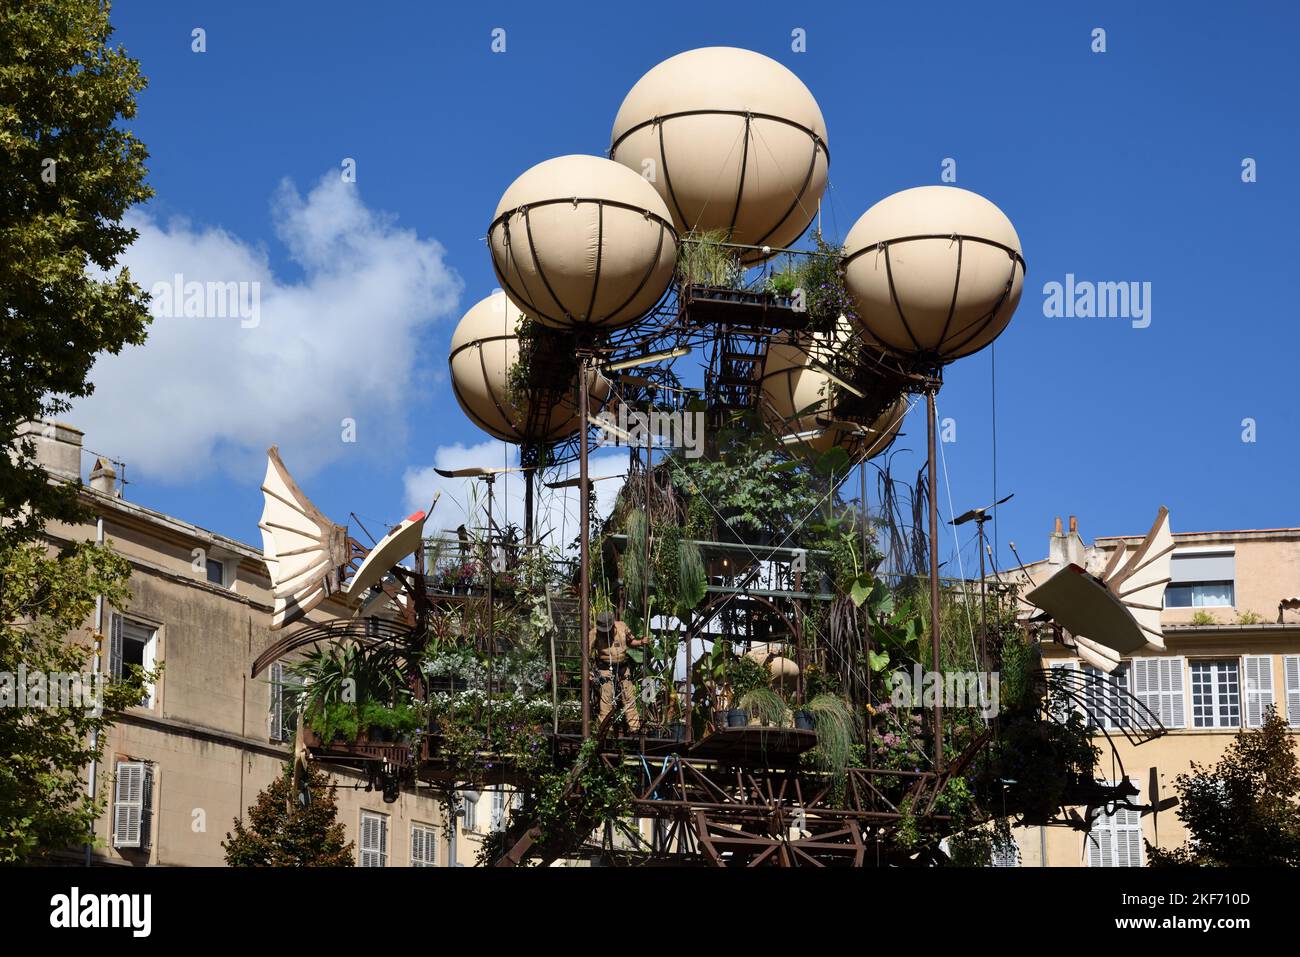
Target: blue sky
(1115,166)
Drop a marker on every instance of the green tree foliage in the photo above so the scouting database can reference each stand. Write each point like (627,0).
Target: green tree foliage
(284,832)
(1245,810)
(44,806)
(70,173)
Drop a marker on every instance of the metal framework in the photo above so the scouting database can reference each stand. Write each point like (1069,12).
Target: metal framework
(738,796)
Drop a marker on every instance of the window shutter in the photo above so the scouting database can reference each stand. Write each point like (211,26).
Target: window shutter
(1259,688)
(1158,684)
(1171,692)
(115,646)
(146,808)
(1128,838)
(498,809)
(128,803)
(373,850)
(1061,705)
(1116,839)
(424,846)
(1100,844)
(277,701)
(1291,665)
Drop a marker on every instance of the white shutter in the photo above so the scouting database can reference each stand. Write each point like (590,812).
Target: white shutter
(1259,688)
(1062,706)
(373,849)
(1158,684)
(498,808)
(132,804)
(277,701)
(1005,854)
(424,846)
(1101,844)
(1291,666)
(1128,837)
(1116,839)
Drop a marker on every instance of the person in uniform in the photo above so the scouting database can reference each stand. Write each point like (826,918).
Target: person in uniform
(609,642)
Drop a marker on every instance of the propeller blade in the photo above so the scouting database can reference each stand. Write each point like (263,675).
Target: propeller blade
(575,482)
(476,471)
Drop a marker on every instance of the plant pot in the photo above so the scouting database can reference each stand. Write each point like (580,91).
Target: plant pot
(677,731)
(720,719)
(737,718)
(803,720)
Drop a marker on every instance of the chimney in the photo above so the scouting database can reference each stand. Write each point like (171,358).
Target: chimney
(1056,553)
(1074,550)
(58,448)
(103,478)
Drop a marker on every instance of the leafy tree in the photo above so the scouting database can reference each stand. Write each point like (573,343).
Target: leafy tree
(283,832)
(44,806)
(1245,810)
(70,172)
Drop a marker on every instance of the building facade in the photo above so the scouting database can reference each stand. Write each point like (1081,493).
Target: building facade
(180,767)
(1232,648)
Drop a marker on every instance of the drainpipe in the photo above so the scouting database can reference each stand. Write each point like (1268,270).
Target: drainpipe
(93,783)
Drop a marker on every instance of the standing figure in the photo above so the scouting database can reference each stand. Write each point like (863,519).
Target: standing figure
(609,643)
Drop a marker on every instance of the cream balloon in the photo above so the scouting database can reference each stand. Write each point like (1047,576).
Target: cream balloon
(483,348)
(732,140)
(934,272)
(582,242)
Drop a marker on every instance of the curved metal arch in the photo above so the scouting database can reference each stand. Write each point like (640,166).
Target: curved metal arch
(369,630)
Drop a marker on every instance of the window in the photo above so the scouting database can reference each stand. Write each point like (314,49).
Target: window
(1115,839)
(1158,684)
(498,808)
(1200,595)
(373,847)
(1107,697)
(133,804)
(1061,703)
(1291,665)
(1216,694)
(216,571)
(284,714)
(1006,853)
(1259,688)
(132,642)
(1201,579)
(469,808)
(424,846)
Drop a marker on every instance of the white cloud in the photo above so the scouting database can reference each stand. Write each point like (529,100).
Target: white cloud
(338,343)
(557,509)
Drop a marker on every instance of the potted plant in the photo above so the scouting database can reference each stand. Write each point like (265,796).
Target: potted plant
(744,677)
(836,731)
(764,706)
